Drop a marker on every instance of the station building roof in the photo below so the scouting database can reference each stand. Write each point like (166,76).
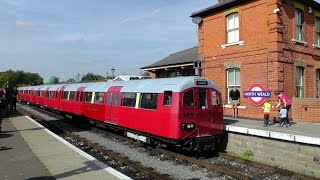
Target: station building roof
(182,58)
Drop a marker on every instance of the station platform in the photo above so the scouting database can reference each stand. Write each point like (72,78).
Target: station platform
(30,151)
(300,132)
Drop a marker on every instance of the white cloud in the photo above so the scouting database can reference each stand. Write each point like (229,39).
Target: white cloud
(28,24)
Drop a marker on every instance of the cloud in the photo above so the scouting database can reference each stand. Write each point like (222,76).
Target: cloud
(28,24)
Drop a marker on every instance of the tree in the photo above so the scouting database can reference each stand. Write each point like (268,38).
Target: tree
(19,78)
(71,80)
(92,77)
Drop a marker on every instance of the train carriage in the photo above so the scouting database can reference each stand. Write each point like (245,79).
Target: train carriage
(184,111)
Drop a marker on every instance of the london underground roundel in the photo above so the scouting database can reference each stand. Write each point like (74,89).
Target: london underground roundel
(257,94)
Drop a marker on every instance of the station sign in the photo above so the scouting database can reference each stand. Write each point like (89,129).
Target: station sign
(257,94)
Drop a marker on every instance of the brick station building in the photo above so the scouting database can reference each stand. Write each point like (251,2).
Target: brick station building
(275,43)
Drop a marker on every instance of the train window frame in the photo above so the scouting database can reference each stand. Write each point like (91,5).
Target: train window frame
(65,95)
(201,105)
(152,104)
(167,98)
(128,99)
(71,95)
(215,98)
(98,99)
(188,103)
(86,96)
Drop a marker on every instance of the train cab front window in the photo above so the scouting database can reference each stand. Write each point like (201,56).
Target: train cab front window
(215,101)
(188,100)
(203,99)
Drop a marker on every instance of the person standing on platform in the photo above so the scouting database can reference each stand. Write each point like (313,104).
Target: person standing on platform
(266,112)
(234,96)
(3,104)
(286,101)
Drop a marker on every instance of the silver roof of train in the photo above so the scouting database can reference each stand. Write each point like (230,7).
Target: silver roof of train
(177,84)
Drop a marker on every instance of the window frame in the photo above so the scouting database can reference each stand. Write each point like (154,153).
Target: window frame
(236,85)
(167,98)
(317,31)
(235,30)
(98,95)
(85,97)
(192,103)
(299,31)
(129,99)
(300,77)
(150,105)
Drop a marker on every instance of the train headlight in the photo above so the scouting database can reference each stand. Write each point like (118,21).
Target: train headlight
(187,126)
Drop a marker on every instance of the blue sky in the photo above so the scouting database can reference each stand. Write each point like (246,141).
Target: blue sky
(66,37)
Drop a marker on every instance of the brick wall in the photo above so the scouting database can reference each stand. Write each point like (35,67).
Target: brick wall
(306,109)
(267,56)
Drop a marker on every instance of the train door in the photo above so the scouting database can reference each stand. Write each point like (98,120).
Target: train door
(112,104)
(79,101)
(189,111)
(210,116)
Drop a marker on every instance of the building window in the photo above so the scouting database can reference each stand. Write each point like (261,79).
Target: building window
(318,83)
(233,28)
(233,80)
(300,92)
(299,24)
(317,31)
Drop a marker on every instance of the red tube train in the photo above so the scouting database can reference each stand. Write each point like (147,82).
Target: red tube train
(185,111)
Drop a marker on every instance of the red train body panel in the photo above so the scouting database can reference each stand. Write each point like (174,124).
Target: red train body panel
(184,111)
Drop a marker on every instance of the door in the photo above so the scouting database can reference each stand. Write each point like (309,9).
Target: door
(79,101)
(113,105)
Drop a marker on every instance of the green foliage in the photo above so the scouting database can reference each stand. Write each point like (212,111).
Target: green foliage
(71,80)
(144,73)
(247,155)
(92,77)
(19,78)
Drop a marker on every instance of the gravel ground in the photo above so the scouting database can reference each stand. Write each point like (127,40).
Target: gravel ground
(159,163)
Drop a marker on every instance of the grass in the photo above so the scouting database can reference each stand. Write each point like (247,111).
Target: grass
(247,155)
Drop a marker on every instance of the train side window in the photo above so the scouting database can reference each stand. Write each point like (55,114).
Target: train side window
(148,100)
(203,99)
(188,100)
(129,99)
(109,98)
(98,99)
(71,95)
(79,96)
(215,101)
(88,97)
(167,98)
(65,95)
(51,94)
(116,99)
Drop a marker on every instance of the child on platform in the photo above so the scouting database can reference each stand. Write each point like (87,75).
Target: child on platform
(266,112)
(284,116)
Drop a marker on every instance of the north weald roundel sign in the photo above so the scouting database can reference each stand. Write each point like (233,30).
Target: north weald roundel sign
(257,94)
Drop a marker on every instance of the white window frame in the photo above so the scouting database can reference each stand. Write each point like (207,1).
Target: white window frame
(299,81)
(299,24)
(235,83)
(233,34)
(317,29)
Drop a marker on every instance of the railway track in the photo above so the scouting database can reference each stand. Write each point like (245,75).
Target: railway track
(218,169)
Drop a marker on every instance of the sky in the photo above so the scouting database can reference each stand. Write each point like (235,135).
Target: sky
(67,37)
